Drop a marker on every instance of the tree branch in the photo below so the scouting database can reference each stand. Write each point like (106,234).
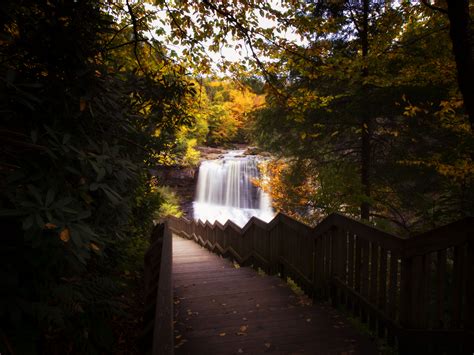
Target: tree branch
(434,7)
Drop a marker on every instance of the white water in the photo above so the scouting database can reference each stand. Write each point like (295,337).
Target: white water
(225,191)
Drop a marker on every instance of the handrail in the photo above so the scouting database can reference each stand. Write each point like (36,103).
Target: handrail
(158,317)
(396,284)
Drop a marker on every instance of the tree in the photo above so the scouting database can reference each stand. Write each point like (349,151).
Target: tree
(83,94)
(462,39)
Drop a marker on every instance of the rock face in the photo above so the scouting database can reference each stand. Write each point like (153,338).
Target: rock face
(210,153)
(182,181)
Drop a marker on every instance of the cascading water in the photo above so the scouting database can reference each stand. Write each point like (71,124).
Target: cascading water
(225,191)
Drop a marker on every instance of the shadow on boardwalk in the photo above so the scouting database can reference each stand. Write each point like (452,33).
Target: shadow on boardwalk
(220,309)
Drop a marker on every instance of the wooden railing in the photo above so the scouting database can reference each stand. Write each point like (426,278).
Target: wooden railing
(158,337)
(415,292)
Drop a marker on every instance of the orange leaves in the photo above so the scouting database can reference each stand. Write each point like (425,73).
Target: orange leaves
(50,226)
(65,235)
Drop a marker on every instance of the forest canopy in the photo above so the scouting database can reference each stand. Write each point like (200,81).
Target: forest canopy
(365,107)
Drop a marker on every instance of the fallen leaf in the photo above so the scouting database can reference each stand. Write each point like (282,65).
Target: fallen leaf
(245,318)
(240,351)
(222,334)
(308,320)
(94,247)
(268,345)
(243,328)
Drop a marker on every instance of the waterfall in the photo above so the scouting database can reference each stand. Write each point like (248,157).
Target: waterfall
(225,190)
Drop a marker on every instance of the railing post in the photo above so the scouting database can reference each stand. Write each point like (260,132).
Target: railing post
(406,306)
(470,294)
(337,262)
(318,267)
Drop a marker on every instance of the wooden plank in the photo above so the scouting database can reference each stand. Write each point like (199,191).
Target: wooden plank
(358,261)
(382,294)
(163,341)
(440,288)
(417,285)
(426,297)
(327,266)
(350,266)
(371,234)
(217,316)
(319,266)
(453,234)
(374,265)
(470,284)
(393,286)
(364,278)
(406,291)
(457,289)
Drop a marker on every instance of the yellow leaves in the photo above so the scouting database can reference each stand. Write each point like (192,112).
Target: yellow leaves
(65,235)
(222,334)
(458,170)
(412,110)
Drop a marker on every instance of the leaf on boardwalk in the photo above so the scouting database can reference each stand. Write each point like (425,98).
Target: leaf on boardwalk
(182,341)
(308,320)
(240,351)
(242,330)
(223,334)
(268,345)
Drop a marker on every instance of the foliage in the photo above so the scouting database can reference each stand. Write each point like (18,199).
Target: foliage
(82,93)
(229,106)
(170,206)
(407,104)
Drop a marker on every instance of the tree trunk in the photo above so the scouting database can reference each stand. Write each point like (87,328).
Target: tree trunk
(461,37)
(366,121)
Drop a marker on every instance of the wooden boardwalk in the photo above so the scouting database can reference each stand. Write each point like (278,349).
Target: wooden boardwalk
(221,309)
